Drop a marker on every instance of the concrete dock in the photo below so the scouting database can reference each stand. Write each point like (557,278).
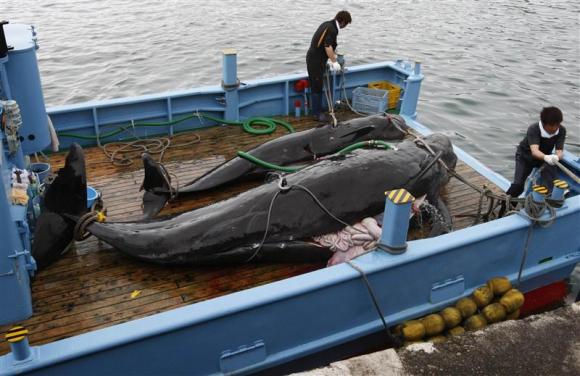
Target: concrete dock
(544,344)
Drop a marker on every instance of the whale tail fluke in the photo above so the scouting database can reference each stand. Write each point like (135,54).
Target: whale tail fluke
(65,199)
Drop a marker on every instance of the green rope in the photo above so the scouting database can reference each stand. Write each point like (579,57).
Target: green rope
(254,125)
(378,144)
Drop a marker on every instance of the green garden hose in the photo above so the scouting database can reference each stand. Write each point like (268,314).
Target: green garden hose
(378,144)
(265,126)
(269,165)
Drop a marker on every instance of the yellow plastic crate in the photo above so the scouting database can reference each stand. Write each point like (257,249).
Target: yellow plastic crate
(394,92)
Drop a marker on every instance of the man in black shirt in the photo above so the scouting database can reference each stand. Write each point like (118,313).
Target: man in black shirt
(323,47)
(536,149)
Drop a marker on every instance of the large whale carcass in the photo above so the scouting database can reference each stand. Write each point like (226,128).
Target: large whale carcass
(274,221)
(304,146)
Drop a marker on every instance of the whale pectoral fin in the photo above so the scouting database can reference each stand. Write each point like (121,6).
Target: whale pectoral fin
(153,203)
(53,234)
(156,183)
(358,132)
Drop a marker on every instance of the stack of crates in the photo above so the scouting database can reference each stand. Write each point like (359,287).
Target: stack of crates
(379,97)
(369,101)
(394,92)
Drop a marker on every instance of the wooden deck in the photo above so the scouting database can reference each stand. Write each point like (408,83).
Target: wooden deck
(94,286)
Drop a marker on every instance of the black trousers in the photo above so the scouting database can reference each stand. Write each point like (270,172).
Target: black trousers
(523,170)
(315,66)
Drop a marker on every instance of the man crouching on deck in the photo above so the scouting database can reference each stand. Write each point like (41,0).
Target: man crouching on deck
(536,149)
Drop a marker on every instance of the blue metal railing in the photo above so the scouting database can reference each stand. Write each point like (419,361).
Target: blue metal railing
(232,101)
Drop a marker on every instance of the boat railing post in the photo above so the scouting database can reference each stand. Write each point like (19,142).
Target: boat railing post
(17,337)
(396,221)
(411,95)
(559,190)
(230,84)
(539,193)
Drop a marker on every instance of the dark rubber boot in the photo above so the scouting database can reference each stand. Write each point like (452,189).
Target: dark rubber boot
(316,105)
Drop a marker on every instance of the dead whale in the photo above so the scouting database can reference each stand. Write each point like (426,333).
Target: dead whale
(275,221)
(305,146)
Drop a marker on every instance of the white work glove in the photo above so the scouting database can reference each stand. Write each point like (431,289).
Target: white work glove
(551,159)
(334,66)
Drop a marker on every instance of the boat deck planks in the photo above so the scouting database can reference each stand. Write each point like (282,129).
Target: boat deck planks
(93,286)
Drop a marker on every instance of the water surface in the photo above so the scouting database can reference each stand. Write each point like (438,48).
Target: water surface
(490,66)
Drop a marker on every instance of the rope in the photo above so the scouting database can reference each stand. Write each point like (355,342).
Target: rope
(525,253)
(80,233)
(535,210)
(329,98)
(127,151)
(395,342)
(284,187)
(483,191)
(568,172)
(343,89)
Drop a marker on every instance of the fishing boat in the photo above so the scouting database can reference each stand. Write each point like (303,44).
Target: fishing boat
(97,311)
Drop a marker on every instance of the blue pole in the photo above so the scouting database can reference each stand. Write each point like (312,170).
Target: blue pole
(560,187)
(396,221)
(411,95)
(230,84)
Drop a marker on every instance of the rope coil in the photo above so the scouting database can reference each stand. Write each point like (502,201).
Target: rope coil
(80,233)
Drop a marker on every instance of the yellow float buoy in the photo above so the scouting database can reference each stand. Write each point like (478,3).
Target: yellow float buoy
(514,315)
(482,296)
(494,312)
(413,330)
(456,331)
(499,285)
(475,322)
(437,339)
(512,300)
(466,306)
(433,323)
(451,316)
